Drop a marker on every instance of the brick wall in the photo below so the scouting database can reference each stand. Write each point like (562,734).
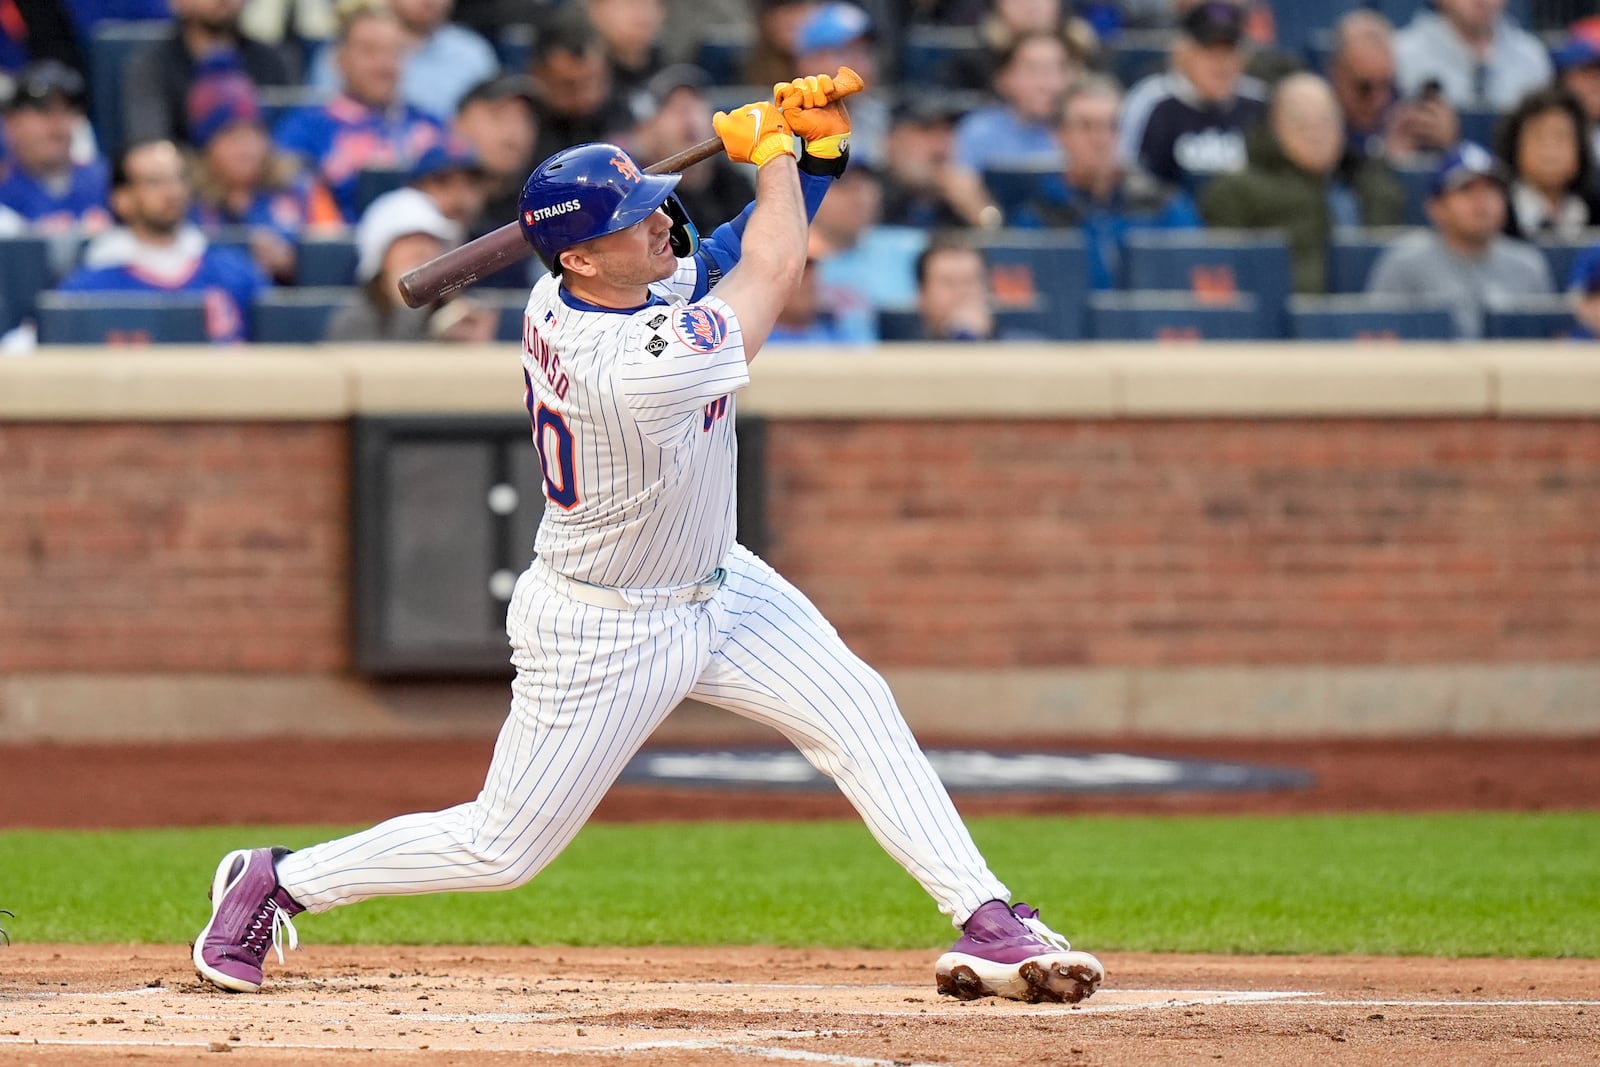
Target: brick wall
(956,544)
(1195,541)
(149,546)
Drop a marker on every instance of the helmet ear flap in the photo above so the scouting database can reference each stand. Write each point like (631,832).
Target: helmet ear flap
(684,238)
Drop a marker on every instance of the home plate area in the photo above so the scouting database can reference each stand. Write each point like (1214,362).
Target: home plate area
(81,1004)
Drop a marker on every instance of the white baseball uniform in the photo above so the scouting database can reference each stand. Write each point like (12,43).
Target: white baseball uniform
(640,597)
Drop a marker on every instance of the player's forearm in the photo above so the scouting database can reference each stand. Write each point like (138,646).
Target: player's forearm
(774,254)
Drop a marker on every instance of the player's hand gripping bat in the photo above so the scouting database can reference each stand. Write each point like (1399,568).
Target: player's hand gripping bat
(482,256)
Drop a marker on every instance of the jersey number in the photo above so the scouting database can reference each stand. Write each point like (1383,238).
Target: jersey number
(553,439)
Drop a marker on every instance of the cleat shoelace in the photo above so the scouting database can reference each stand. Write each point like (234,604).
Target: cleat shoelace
(1037,927)
(270,922)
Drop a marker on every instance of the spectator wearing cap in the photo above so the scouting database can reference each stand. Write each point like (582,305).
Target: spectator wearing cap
(442,60)
(1481,59)
(1095,193)
(1544,146)
(921,139)
(157,77)
(450,175)
(400,231)
(1585,291)
(672,115)
(1187,124)
(1463,259)
(1378,123)
(1577,64)
(156,248)
(838,34)
(1008,20)
(499,119)
(367,125)
(1302,181)
(571,75)
(40,182)
(631,30)
(240,179)
(1020,131)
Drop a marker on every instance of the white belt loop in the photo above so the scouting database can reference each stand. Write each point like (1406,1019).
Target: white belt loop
(606,596)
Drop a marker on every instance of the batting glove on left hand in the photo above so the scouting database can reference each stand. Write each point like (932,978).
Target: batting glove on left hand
(755,133)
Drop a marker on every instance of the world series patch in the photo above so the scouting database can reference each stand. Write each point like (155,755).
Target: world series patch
(701,328)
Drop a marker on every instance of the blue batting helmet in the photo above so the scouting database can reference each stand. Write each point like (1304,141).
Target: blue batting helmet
(582,193)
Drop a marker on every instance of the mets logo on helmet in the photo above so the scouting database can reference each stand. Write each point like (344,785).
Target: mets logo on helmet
(626,167)
(700,327)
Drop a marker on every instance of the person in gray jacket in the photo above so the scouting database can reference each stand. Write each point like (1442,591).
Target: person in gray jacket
(1464,259)
(1480,59)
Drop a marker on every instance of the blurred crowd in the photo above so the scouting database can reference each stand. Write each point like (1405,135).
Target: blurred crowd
(213,147)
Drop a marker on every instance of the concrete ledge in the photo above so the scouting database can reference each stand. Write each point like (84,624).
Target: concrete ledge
(1232,702)
(893,381)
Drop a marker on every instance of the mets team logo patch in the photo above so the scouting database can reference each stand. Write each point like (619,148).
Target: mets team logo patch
(701,328)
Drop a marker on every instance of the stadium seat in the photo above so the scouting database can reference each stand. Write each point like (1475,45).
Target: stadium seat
(1528,318)
(1561,255)
(1138,53)
(28,266)
(1299,21)
(113,44)
(326,261)
(297,314)
(1214,265)
(373,182)
(1479,126)
(509,305)
(121,318)
(279,100)
(513,46)
(1415,181)
(1017,324)
(1354,250)
(721,53)
(1012,187)
(1348,317)
(927,51)
(1031,270)
(1169,316)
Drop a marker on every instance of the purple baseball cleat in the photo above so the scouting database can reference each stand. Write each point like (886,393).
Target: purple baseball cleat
(1006,951)
(249,911)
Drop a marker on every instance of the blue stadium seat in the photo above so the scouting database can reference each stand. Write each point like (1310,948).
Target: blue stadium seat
(1415,182)
(721,53)
(1348,317)
(1299,21)
(297,314)
(1138,53)
(1479,126)
(113,44)
(121,318)
(373,182)
(279,100)
(509,305)
(1174,317)
(1528,318)
(1214,264)
(326,261)
(1561,255)
(1353,251)
(1019,324)
(27,268)
(1012,187)
(1031,270)
(513,46)
(927,51)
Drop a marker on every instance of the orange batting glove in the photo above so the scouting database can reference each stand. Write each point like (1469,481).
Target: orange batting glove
(755,133)
(823,126)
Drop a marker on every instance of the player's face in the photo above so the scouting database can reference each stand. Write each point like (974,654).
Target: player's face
(636,256)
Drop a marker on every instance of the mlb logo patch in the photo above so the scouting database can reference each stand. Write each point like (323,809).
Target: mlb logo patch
(701,328)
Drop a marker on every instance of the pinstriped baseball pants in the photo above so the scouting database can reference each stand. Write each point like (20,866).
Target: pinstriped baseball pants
(593,683)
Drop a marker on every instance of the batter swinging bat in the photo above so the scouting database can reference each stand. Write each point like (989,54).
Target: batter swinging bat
(482,256)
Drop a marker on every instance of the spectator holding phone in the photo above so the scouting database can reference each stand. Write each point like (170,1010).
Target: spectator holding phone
(1379,123)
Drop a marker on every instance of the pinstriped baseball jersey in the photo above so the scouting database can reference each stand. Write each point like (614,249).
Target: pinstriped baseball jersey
(633,420)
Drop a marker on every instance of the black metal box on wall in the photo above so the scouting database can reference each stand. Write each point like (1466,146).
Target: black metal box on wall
(444,511)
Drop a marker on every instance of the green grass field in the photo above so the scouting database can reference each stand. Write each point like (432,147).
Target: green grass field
(1470,885)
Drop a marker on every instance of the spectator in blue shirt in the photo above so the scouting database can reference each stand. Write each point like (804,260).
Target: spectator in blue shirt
(1020,131)
(40,183)
(367,125)
(443,60)
(157,249)
(1094,193)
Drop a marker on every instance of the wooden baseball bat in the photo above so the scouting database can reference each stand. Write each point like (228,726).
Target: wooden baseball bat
(482,256)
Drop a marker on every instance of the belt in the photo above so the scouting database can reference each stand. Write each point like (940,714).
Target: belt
(607,596)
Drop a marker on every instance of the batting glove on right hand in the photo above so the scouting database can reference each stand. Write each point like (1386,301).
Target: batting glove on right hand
(755,133)
(812,112)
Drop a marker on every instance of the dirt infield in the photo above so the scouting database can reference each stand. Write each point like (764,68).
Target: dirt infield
(435,1006)
(442,1005)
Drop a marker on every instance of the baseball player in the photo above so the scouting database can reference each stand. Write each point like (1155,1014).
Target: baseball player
(634,350)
